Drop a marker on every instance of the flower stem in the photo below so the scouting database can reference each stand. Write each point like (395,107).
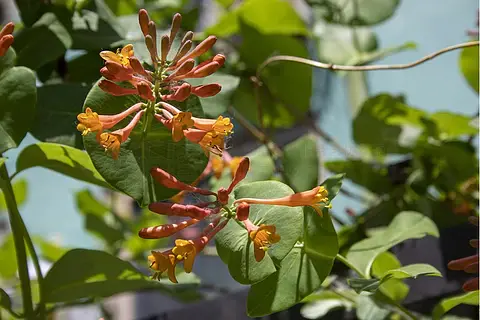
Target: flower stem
(344,260)
(17,227)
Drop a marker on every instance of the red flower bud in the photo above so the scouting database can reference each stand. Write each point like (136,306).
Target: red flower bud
(143,20)
(204,71)
(165,230)
(145,92)
(169,181)
(114,89)
(222,195)
(208,90)
(165,47)
(203,47)
(175,209)
(243,210)
(240,174)
(5,43)
(181,93)
(176,22)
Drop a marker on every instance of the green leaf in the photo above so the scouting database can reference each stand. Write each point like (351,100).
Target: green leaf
(218,104)
(49,33)
(85,68)
(282,100)
(50,250)
(281,17)
(30,10)
(323,302)
(122,7)
(5,301)
(380,122)
(470,298)
(405,225)
(410,271)
(393,288)
(300,163)
(281,20)
(20,189)
(452,125)
(358,12)
(130,173)
(87,203)
(62,159)
(17,104)
(369,308)
(367,175)
(8,267)
(82,273)
(234,244)
(102,230)
(57,108)
(301,272)
(8,60)
(469,66)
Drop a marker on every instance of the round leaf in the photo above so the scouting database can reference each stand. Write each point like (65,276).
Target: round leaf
(130,173)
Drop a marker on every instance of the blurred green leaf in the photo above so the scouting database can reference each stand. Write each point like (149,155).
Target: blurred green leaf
(281,20)
(469,66)
(130,173)
(385,117)
(17,101)
(225,3)
(62,159)
(319,304)
(369,308)
(122,7)
(452,125)
(367,175)
(5,301)
(470,298)
(300,163)
(102,230)
(358,12)
(282,100)
(410,271)
(218,104)
(30,10)
(50,250)
(57,108)
(82,273)
(87,203)
(85,68)
(49,33)
(234,239)
(8,267)
(20,189)
(405,225)
(395,289)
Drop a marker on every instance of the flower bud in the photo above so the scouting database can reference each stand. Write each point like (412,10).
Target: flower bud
(7,29)
(165,230)
(222,194)
(184,68)
(114,89)
(240,174)
(5,43)
(203,47)
(181,93)
(187,37)
(143,20)
(169,181)
(181,52)
(138,67)
(180,210)
(145,92)
(208,90)
(243,210)
(151,47)
(204,71)
(176,22)
(165,47)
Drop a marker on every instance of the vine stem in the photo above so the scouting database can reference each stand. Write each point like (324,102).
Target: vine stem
(399,308)
(17,228)
(335,67)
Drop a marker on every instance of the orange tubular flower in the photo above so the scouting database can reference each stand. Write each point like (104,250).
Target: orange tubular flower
(6,38)
(263,237)
(219,164)
(317,198)
(92,122)
(112,141)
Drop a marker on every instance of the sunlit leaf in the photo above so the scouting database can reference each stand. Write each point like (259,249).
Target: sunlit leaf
(62,159)
(469,66)
(470,298)
(49,249)
(20,189)
(87,203)
(8,267)
(300,163)
(405,225)
(395,289)
(321,303)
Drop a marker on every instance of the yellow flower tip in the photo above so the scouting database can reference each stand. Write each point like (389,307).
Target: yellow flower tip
(262,239)
(121,56)
(181,121)
(89,122)
(218,165)
(234,163)
(223,126)
(162,262)
(185,251)
(213,142)
(111,143)
(321,195)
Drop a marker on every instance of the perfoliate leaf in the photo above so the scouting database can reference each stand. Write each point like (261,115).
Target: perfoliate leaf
(300,163)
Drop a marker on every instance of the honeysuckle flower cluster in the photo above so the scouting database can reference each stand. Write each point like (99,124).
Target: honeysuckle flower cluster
(217,211)
(6,38)
(124,74)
